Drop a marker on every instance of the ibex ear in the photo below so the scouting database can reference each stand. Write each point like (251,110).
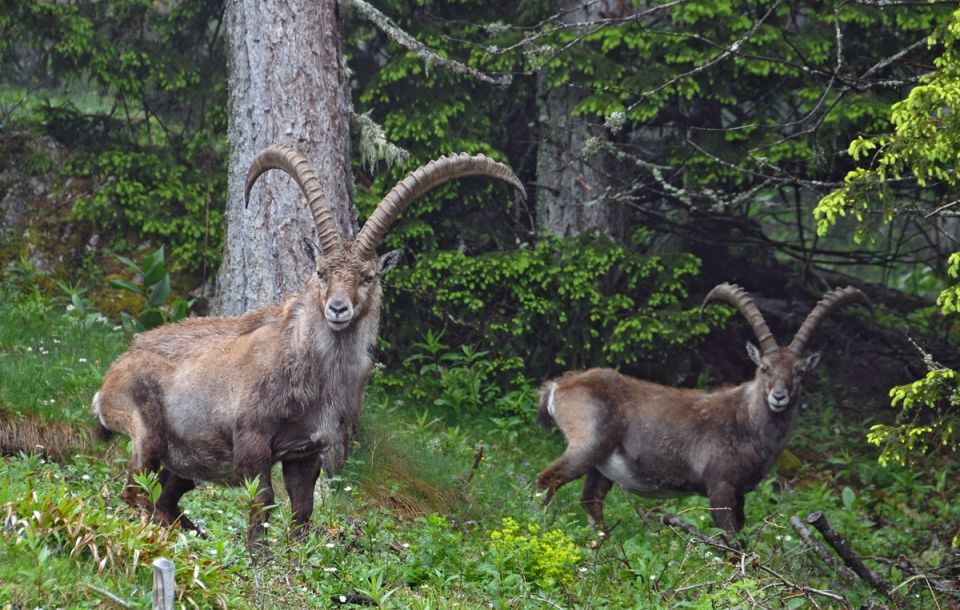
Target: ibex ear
(388,261)
(811,361)
(754,352)
(311,249)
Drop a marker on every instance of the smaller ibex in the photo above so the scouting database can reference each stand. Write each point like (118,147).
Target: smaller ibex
(224,399)
(659,441)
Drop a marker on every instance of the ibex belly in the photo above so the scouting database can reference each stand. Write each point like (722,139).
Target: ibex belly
(202,462)
(617,468)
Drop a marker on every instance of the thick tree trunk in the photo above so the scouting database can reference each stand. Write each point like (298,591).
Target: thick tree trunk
(286,86)
(570,182)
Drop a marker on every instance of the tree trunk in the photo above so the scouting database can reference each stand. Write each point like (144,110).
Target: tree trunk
(570,182)
(287,86)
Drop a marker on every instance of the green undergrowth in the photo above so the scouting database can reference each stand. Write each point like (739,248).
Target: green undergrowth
(436,509)
(411,524)
(53,353)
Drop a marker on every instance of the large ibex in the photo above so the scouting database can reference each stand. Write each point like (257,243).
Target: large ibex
(660,441)
(223,399)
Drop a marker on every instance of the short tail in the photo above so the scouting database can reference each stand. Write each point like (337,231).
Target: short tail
(547,397)
(102,432)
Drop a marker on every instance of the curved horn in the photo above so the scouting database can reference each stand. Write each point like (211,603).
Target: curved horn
(421,180)
(289,160)
(830,301)
(741,299)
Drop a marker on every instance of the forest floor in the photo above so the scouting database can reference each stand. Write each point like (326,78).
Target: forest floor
(436,509)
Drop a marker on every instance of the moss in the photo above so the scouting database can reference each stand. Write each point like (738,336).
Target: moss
(112,301)
(788,464)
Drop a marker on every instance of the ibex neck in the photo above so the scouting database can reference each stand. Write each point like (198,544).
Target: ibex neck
(769,431)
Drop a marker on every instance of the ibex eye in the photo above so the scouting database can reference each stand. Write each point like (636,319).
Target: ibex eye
(367,279)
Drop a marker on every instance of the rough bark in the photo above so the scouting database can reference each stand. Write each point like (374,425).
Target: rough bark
(287,86)
(570,182)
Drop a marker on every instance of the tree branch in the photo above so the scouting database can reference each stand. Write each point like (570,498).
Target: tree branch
(741,557)
(428,55)
(840,545)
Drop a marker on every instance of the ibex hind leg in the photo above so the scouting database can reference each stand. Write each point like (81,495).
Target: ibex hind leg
(573,464)
(168,504)
(149,436)
(145,458)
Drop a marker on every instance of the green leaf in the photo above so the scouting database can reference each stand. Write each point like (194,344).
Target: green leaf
(160,292)
(126,285)
(848,497)
(151,318)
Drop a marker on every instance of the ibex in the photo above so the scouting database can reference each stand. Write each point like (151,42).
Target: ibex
(223,399)
(660,441)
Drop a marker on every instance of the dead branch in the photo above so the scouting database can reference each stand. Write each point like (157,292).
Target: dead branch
(813,543)
(742,557)
(477,458)
(839,544)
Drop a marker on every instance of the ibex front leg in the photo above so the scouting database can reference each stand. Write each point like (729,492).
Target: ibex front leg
(726,506)
(252,459)
(595,488)
(300,479)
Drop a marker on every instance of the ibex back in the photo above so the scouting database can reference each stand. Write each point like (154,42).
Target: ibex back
(223,399)
(660,441)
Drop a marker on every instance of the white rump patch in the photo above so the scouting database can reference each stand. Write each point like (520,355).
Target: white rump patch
(551,401)
(96,407)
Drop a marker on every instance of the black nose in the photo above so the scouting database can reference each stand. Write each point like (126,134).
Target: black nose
(779,394)
(337,308)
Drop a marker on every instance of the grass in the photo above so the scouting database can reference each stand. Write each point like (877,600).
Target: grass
(411,524)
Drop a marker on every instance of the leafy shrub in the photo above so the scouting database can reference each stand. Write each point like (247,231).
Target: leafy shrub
(154,289)
(548,559)
(920,151)
(137,92)
(927,417)
(562,303)
(160,194)
(435,551)
(462,381)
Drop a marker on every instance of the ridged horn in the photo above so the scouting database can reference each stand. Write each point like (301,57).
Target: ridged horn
(288,159)
(741,299)
(421,180)
(830,301)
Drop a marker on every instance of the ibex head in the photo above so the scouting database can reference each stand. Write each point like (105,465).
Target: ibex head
(780,369)
(349,271)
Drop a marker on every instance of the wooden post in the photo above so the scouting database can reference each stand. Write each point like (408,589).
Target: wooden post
(163,584)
